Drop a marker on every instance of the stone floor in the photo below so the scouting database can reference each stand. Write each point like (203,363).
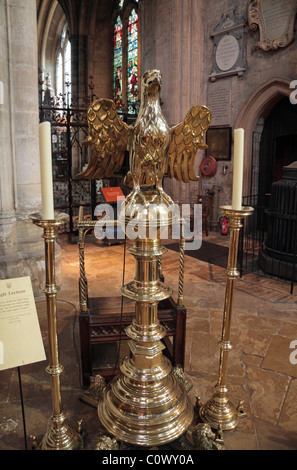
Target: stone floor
(260,372)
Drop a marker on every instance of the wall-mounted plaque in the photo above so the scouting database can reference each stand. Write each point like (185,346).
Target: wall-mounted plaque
(228,57)
(219,102)
(275,20)
(219,141)
(227,52)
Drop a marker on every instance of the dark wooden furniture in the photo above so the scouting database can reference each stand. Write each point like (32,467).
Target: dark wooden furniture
(103,323)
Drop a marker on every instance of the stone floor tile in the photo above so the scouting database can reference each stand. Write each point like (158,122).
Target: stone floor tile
(254,342)
(267,391)
(252,360)
(205,353)
(288,329)
(269,325)
(272,437)
(278,356)
(288,416)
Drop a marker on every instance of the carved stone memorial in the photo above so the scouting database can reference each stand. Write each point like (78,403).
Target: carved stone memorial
(219,102)
(228,36)
(275,20)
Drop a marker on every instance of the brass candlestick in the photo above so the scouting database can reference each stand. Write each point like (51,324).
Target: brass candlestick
(219,411)
(60,436)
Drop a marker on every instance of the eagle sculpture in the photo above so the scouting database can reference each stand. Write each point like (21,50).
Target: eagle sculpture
(155,150)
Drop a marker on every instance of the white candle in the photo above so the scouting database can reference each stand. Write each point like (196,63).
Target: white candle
(47,194)
(237,169)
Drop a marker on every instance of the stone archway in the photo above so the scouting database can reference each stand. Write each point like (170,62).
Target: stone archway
(81,20)
(50,21)
(257,107)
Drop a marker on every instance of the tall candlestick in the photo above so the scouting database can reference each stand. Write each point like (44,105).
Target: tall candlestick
(46,171)
(238,169)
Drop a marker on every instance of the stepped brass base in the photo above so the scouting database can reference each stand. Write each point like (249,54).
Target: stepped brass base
(145,407)
(60,436)
(220,412)
(66,439)
(199,436)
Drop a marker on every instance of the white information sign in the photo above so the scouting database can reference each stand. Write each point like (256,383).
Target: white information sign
(20,336)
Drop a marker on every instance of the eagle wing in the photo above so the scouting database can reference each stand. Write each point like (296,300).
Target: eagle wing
(185,139)
(108,138)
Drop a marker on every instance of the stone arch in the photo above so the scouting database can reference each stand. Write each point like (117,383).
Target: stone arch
(81,21)
(257,107)
(50,21)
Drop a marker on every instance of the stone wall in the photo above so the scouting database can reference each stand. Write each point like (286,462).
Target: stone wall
(172,41)
(21,245)
(176,38)
(265,80)
(101,59)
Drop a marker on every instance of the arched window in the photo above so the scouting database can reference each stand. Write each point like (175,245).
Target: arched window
(132,59)
(63,67)
(117,62)
(125,58)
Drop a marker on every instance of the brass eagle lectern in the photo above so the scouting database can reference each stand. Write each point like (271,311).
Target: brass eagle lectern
(145,404)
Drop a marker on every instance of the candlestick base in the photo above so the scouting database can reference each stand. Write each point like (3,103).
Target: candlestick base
(220,412)
(61,437)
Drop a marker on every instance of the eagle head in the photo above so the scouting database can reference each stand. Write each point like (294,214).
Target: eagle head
(151,83)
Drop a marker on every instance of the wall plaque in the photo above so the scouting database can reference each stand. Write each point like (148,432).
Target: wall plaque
(218,102)
(219,141)
(228,57)
(275,20)
(227,52)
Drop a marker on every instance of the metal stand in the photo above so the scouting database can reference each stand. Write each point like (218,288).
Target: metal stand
(60,436)
(219,411)
(23,410)
(146,404)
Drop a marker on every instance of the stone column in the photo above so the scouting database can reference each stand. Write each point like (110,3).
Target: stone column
(21,245)
(173,42)
(7,163)
(79,66)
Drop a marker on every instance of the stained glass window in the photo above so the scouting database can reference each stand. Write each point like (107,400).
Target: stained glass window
(132,85)
(117,62)
(125,59)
